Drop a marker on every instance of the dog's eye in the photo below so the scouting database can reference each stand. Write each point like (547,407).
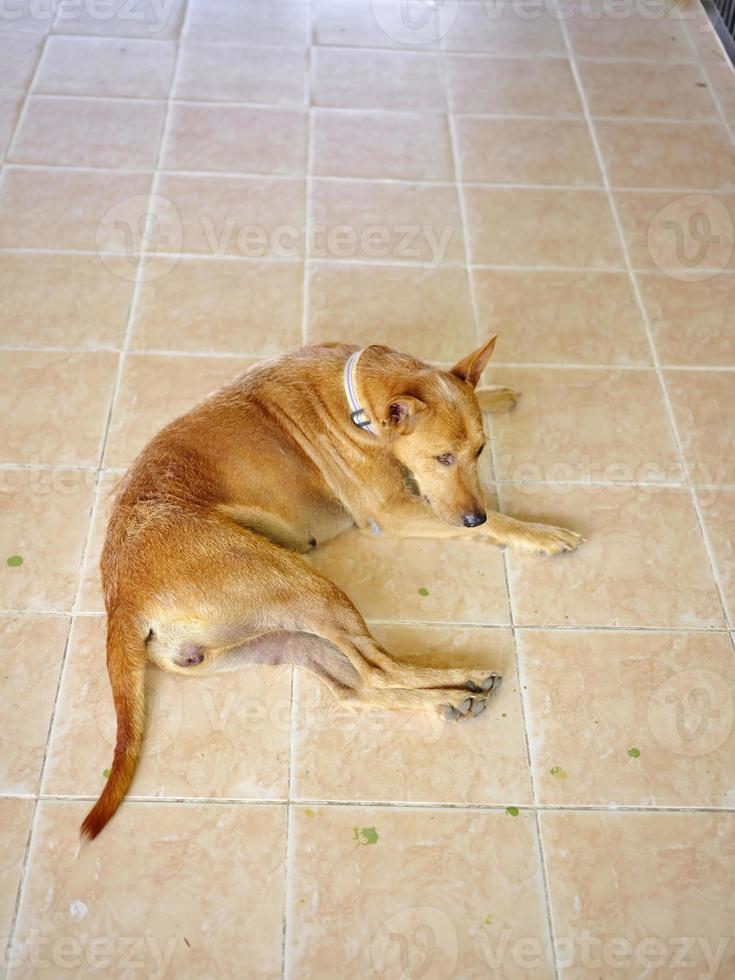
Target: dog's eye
(479,451)
(446,459)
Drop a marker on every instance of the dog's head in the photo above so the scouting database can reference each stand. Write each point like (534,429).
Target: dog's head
(434,428)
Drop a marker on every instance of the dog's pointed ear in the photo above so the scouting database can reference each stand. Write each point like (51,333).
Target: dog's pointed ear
(471,367)
(401,413)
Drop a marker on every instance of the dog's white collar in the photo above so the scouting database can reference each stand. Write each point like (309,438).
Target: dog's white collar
(357,413)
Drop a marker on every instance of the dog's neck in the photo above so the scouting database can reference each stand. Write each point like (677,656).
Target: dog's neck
(358,410)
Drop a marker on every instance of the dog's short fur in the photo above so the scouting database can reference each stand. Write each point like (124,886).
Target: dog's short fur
(201,566)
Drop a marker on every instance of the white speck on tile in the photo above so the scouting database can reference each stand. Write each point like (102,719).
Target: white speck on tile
(77,909)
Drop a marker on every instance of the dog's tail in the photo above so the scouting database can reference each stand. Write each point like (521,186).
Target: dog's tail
(126,658)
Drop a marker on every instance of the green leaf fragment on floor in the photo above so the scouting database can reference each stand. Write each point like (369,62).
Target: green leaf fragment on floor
(488,920)
(634,753)
(364,836)
(512,811)
(14,561)
(558,773)
(106,773)
(423,591)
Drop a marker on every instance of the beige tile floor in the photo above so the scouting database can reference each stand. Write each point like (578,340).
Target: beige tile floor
(338,169)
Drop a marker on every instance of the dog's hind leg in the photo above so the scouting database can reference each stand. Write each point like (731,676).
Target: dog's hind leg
(450,692)
(496,399)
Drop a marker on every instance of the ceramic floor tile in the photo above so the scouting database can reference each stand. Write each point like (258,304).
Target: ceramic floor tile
(62,300)
(237,139)
(220,736)
(718,510)
(689,318)
(420,881)
(407,308)
(584,424)
(43,520)
(118,18)
(527,151)
(53,208)
(156,389)
(89,132)
(655,90)
(503,29)
(109,905)
(611,917)
(702,403)
(387,579)
(30,660)
(255,217)
(366,220)
(106,66)
(58,403)
(663,231)
(659,154)
(593,698)
(254,22)
(90,597)
(206,305)
(15,816)
(230,73)
(632,571)
(18,55)
(327,733)
(404,146)
(642,33)
(561,317)
(374,24)
(537,227)
(355,79)
(496,86)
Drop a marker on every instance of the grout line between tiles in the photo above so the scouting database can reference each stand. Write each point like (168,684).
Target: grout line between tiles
(36,94)
(29,839)
(649,333)
(259,355)
(386,804)
(439,623)
(85,546)
(288,856)
(305,300)
(24,98)
(456,152)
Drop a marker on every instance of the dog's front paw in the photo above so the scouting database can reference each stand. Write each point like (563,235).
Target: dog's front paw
(545,539)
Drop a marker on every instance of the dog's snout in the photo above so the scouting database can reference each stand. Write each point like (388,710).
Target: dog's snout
(474,519)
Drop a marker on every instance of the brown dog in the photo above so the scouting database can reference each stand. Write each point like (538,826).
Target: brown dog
(200,567)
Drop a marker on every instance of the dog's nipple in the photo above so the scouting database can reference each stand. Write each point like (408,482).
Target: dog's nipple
(190,655)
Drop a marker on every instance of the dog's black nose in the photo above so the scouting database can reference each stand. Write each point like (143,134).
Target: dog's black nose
(474,520)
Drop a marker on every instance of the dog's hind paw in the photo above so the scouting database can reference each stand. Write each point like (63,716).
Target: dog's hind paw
(497,400)
(490,683)
(474,704)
